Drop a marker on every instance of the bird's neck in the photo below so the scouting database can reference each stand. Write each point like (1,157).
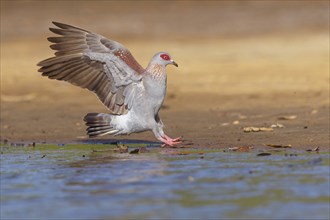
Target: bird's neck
(157,71)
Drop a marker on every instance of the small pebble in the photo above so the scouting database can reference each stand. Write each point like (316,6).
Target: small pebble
(314,111)
(143,150)
(135,151)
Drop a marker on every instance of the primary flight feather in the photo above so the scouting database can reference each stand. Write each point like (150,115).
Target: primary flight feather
(132,94)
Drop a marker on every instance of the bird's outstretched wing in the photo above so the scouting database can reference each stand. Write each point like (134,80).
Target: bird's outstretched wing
(93,62)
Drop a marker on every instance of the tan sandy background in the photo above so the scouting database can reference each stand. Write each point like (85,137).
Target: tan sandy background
(241,63)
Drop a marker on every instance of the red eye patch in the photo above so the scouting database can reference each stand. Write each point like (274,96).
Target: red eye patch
(165,56)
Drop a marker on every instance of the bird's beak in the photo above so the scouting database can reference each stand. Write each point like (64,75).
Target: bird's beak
(174,63)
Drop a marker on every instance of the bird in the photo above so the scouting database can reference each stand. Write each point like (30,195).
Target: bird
(132,94)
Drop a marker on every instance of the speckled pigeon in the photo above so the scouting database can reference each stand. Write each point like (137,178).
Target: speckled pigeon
(132,94)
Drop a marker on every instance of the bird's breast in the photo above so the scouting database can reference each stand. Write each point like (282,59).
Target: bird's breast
(155,87)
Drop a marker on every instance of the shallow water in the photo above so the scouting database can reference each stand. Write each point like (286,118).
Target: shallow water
(94,182)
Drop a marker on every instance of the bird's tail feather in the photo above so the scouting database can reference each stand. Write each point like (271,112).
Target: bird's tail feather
(99,124)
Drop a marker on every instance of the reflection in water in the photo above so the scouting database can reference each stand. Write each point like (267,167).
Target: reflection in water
(80,183)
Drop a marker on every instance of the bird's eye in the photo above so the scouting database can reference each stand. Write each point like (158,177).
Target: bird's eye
(165,56)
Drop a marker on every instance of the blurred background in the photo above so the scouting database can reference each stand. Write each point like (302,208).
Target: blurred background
(231,55)
(163,19)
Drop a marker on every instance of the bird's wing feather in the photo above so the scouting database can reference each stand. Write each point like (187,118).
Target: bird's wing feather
(93,62)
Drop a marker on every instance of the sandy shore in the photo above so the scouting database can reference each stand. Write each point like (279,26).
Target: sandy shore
(223,85)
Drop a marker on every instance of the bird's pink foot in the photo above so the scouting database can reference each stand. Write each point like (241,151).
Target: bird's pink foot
(174,139)
(169,141)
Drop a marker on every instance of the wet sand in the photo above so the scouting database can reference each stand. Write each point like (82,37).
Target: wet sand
(228,78)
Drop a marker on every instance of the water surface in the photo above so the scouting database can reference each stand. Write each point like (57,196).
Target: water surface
(94,182)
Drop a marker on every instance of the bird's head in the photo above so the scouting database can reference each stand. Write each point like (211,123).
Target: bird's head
(164,58)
